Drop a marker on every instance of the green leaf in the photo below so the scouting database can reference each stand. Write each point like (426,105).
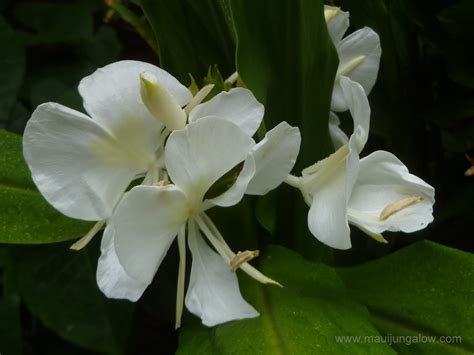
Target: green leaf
(290,67)
(423,289)
(59,288)
(25,217)
(304,317)
(285,56)
(12,68)
(191,36)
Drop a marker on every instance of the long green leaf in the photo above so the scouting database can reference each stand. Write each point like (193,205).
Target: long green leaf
(304,317)
(425,289)
(285,56)
(25,217)
(191,36)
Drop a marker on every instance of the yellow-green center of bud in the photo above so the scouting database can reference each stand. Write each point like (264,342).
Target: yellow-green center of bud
(161,104)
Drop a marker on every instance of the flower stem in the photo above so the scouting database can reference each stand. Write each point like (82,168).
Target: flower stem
(181,276)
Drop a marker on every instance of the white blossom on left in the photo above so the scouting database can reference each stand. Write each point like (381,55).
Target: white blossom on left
(83,164)
(149,218)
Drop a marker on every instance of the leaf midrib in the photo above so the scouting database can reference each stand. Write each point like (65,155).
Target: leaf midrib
(412,327)
(23,188)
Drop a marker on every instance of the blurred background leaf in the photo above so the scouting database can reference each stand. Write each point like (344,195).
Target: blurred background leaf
(423,289)
(25,217)
(58,287)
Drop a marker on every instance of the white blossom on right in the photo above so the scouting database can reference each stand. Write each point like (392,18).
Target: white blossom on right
(375,193)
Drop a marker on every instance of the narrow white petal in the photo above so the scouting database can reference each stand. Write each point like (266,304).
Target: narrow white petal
(338,137)
(327,217)
(235,193)
(362,43)
(275,156)
(200,154)
(337,22)
(79,166)
(238,106)
(112,279)
(359,107)
(113,92)
(213,291)
(146,222)
(384,180)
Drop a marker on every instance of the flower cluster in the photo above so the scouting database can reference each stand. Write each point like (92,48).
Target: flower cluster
(146,125)
(375,193)
(147,160)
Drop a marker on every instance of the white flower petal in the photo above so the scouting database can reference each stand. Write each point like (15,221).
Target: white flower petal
(235,193)
(213,291)
(275,156)
(78,166)
(113,92)
(112,279)
(338,137)
(200,154)
(359,107)
(338,22)
(146,221)
(383,179)
(238,106)
(364,42)
(327,217)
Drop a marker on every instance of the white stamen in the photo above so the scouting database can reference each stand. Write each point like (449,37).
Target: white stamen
(232,78)
(81,243)
(246,267)
(293,181)
(397,206)
(242,257)
(376,236)
(350,66)
(181,276)
(217,244)
(197,99)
